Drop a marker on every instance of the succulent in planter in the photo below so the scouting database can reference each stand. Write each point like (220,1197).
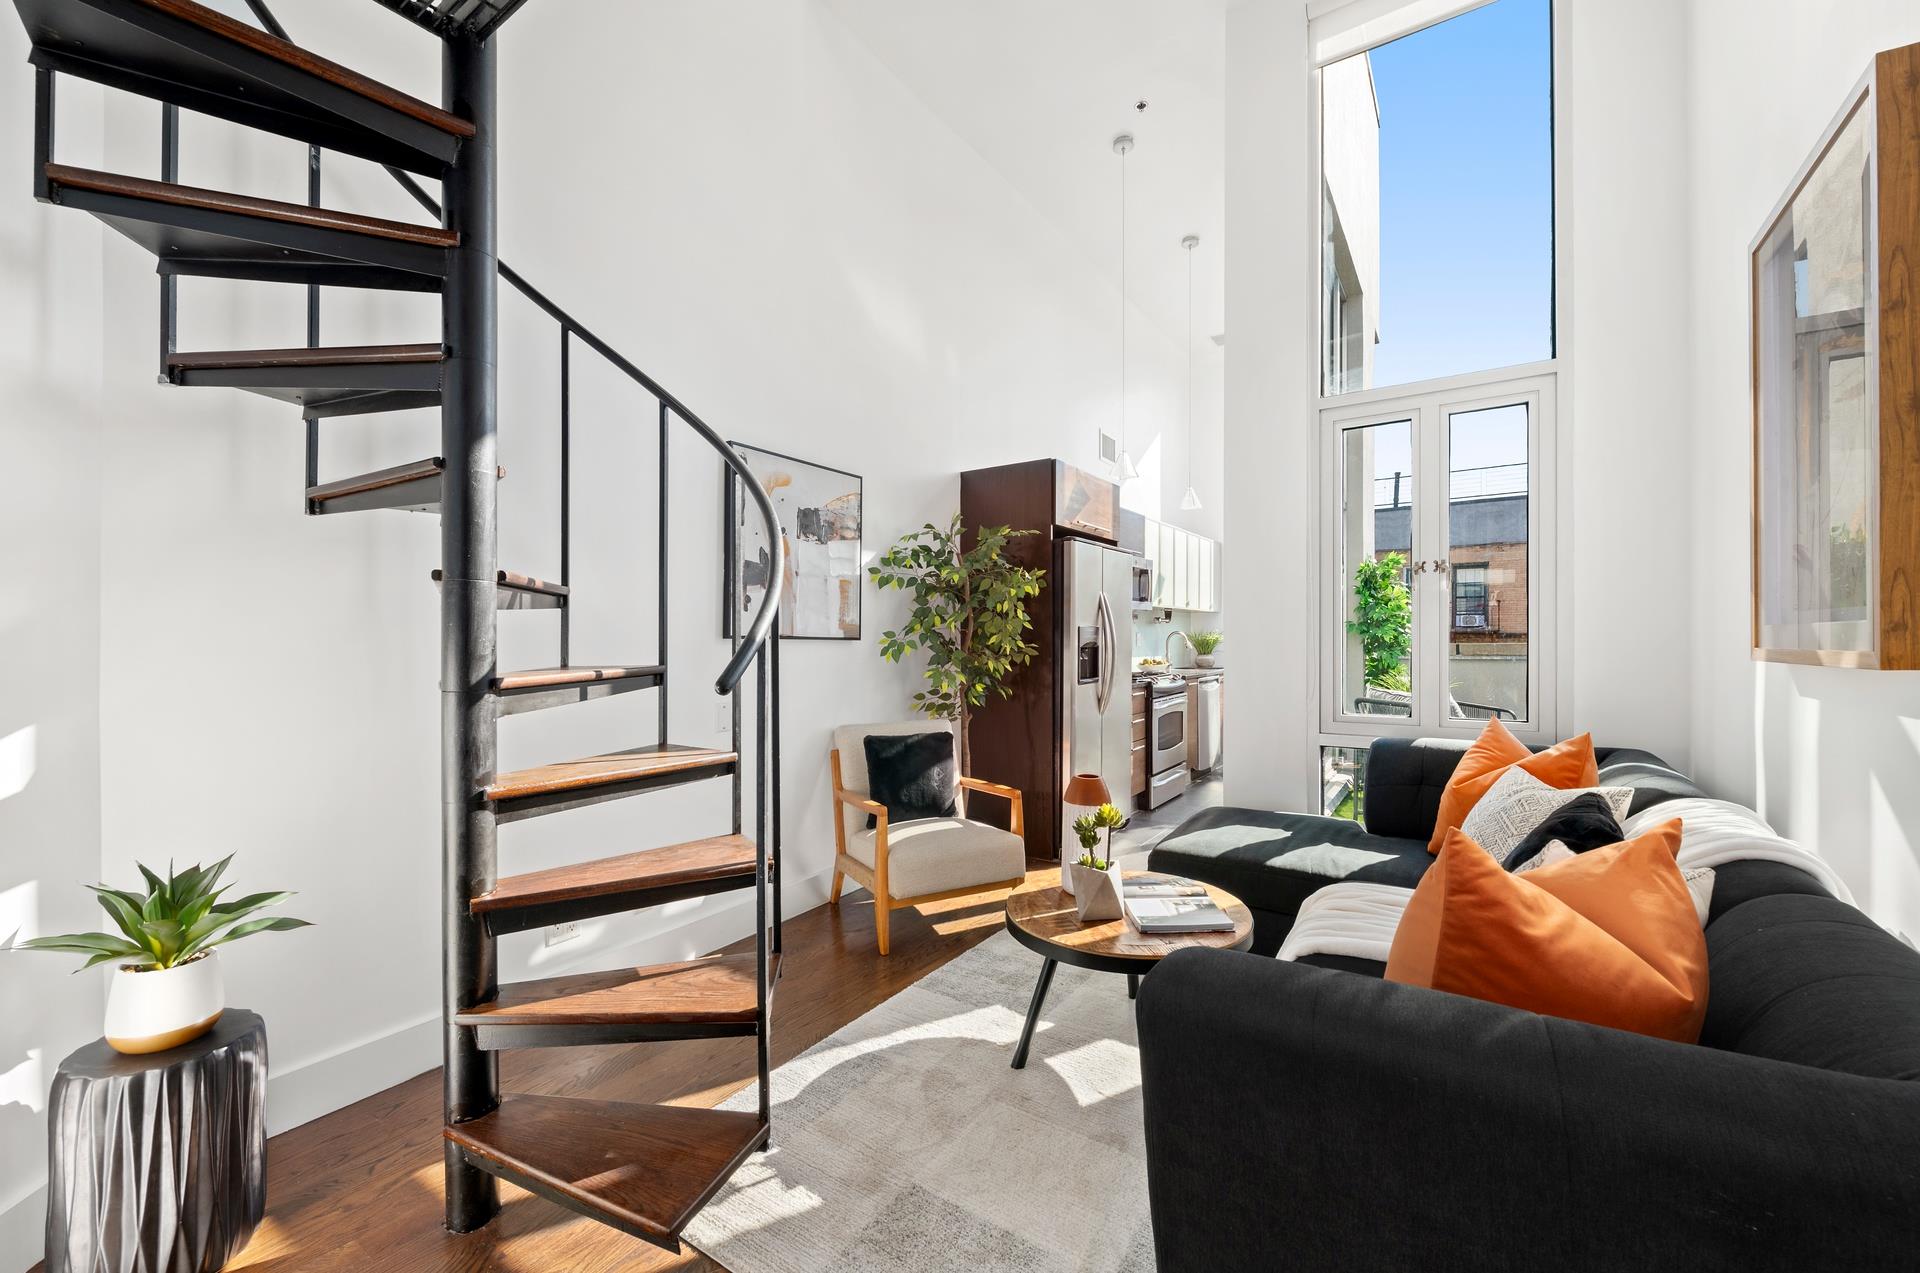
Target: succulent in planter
(1094,880)
(1088,827)
(168,989)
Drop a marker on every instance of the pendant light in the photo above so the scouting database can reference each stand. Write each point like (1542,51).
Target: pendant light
(1191,500)
(1121,145)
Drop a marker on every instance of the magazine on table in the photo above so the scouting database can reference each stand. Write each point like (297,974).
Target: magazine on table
(1161,886)
(1169,904)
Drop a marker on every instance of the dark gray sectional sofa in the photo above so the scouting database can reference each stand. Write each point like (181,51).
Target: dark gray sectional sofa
(1311,1118)
(1275,861)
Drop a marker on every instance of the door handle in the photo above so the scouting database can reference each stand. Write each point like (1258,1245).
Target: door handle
(1103,694)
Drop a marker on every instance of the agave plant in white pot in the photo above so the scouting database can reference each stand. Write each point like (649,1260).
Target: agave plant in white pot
(168,989)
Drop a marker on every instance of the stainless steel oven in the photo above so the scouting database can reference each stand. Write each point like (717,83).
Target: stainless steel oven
(1167,730)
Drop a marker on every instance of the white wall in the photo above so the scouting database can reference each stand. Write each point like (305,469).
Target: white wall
(750,206)
(1624,394)
(1830,757)
(50,456)
(1271,211)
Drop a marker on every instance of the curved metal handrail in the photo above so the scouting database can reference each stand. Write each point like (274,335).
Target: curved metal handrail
(757,631)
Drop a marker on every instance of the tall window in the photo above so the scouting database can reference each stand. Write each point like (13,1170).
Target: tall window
(1439,381)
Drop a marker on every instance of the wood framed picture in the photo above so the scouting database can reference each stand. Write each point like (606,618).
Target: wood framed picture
(821,513)
(1836,390)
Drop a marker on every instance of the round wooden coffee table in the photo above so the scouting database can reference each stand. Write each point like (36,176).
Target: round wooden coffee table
(1043,920)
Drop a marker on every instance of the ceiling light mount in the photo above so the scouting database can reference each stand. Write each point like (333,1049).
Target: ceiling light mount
(1191,242)
(1123,143)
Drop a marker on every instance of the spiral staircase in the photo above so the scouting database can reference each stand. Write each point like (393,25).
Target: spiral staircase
(644,1169)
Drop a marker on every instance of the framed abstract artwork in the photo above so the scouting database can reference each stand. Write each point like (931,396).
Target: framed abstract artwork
(820,511)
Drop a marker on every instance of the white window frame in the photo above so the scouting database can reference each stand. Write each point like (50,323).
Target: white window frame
(1546,384)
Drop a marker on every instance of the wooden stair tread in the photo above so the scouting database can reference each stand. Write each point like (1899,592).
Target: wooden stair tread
(613,767)
(324,356)
(646,1169)
(583,674)
(246,205)
(522,583)
(717,857)
(718,989)
(380,479)
(398,475)
(313,64)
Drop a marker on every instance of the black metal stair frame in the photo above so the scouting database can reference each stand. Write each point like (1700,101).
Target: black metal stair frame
(185,55)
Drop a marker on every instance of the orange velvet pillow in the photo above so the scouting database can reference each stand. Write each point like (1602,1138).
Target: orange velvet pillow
(1610,937)
(1564,765)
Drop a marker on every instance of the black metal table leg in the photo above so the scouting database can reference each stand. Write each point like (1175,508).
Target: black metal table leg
(1033,1013)
(1133,985)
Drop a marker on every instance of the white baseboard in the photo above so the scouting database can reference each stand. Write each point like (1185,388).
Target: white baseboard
(23,1231)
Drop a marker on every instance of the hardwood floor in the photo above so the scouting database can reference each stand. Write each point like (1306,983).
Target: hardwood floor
(360,1189)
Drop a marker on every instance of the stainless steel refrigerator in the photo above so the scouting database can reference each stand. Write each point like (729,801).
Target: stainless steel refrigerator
(1095,654)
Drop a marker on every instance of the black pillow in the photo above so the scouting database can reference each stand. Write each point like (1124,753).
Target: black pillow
(911,774)
(1582,823)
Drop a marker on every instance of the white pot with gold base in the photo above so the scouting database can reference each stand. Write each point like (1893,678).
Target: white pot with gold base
(152,1009)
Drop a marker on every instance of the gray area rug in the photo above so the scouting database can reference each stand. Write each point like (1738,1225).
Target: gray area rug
(906,1141)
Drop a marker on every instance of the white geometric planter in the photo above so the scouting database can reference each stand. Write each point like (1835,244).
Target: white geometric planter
(157,1009)
(1096,894)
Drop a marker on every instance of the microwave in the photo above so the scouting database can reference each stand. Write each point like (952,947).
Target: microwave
(1142,583)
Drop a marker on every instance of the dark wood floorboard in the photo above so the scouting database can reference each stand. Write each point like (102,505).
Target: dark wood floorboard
(360,1189)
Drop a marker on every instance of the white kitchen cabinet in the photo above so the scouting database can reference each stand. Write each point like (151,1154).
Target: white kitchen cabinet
(1186,568)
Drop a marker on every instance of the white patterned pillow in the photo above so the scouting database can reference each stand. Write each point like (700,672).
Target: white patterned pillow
(1699,879)
(1519,802)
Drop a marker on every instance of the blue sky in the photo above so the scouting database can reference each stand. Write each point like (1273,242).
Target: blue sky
(1466,223)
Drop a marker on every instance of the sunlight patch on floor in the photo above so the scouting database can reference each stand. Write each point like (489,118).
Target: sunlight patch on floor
(1098,1071)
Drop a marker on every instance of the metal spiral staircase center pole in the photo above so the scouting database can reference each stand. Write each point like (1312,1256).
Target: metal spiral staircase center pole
(468,524)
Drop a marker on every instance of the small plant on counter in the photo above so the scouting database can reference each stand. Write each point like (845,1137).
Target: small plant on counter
(1088,827)
(1206,642)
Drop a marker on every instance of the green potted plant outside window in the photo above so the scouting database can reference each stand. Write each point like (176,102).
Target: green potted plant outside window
(168,988)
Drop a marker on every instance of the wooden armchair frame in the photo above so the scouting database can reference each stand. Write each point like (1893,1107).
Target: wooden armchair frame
(875,878)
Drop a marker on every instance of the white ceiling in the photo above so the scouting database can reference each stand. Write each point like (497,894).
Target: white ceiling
(1040,87)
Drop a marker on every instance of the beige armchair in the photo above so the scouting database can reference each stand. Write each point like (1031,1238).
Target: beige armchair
(927,859)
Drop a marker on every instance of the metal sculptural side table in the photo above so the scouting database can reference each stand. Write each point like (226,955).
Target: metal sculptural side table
(158,1163)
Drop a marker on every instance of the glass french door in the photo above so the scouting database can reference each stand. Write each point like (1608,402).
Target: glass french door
(1435,611)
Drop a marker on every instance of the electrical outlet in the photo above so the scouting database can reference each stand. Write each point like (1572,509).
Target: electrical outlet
(557,933)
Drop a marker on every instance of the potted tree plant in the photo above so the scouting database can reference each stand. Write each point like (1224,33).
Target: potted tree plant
(167,989)
(969,614)
(1204,644)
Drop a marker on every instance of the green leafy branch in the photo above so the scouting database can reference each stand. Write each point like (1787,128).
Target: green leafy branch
(1383,620)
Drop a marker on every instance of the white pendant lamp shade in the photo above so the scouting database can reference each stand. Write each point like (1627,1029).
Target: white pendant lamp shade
(1191,500)
(1127,471)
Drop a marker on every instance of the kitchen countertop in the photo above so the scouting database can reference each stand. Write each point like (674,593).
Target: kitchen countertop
(1191,673)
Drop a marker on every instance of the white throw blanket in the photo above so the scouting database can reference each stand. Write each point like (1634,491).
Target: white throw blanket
(1359,920)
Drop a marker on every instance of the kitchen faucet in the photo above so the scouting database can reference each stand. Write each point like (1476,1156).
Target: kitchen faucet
(1166,650)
